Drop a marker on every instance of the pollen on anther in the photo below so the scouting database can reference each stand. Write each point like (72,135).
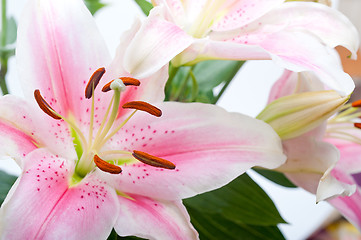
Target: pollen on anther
(356,103)
(105,166)
(93,82)
(45,106)
(152,160)
(143,106)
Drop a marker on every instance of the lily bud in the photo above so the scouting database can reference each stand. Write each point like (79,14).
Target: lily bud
(296,114)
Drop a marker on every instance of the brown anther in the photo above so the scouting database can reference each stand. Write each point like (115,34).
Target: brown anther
(105,166)
(356,103)
(358,125)
(128,81)
(44,105)
(93,82)
(143,106)
(152,160)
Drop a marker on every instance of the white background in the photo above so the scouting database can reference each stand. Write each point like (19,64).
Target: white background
(247,94)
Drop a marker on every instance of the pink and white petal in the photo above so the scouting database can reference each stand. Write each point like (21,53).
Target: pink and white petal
(315,19)
(310,18)
(347,142)
(331,186)
(349,207)
(59,47)
(293,82)
(302,52)
(30,127)
(153,219)
(174,10)
(295,50)
(207,49)
(309,163)
(240,13)
(151,88)
(154,45)
(190,136)
(14,143)
(45,207)
(193,9)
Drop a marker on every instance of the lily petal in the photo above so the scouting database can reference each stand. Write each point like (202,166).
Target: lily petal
(296,51)
(31,129)
(301,52)
(241,13)
(349,207)
(152,87)
(14,143)
(308,159)
(164,41)
(314,18)
(175,11)
(207,155)
(57,210)
(59,47)
(154,219)
(348,142)
(293,82)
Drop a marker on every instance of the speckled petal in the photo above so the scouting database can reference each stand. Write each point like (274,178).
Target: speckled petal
(164,40)
(240,13)
(35,129)
(208,145)
(45,207)
(58,49)
(154,219)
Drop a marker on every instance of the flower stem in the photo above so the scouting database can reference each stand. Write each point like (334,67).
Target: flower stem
(168,86)
(3,55)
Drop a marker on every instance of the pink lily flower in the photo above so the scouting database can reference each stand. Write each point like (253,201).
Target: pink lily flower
(91,165)
(299,36)
(325,161)
(346,136)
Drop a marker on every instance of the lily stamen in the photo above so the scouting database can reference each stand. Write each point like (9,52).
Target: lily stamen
(356,103)
(153,160)
(93,82)
(143,106)
(45,106)
(105,166)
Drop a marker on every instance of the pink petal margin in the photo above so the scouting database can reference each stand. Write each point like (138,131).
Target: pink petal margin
(43,206)
(154,219)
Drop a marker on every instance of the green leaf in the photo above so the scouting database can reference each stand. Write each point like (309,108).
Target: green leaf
(6,181)
(114,236)
(216,226)
(145,6)
(241,201)
(11,31)
(210,74)
(130,238)
(94,5)
(276,177)
(207,75)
